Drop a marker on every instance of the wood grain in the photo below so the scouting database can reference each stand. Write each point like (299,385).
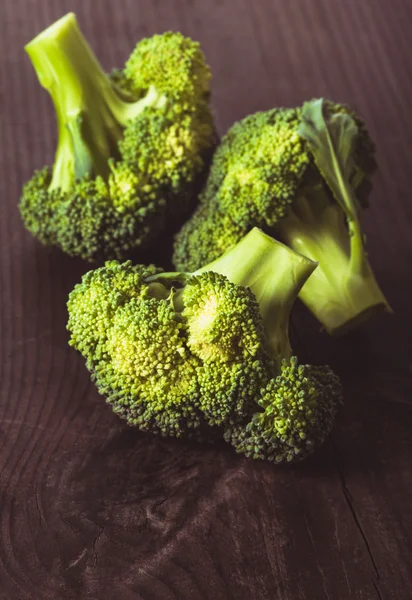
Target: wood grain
(92,509)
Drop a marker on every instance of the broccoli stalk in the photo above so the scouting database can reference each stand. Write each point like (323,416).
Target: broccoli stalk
(91,110)
(132,147)
(273,272)
(343,291)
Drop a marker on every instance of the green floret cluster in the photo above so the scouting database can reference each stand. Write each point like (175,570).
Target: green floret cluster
(223,322)
(255,175)
(302,175)
(94,304)
(132,147)
(299,410)
(127,331)
(225,331)
(179,64)
(207,353)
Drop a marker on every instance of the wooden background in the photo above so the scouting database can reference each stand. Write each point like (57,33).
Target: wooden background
(92,509)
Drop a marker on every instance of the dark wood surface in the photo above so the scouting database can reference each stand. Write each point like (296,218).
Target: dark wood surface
(92,509)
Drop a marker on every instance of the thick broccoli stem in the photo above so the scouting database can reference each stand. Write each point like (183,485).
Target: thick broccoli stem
(343,291)
(91,112)
(275,274)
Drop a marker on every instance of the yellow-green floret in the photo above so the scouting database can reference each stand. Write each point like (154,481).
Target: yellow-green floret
(135,346)
(147,357)
(223,319)
(93,304)
(132,147)
(179,65)
(225,331)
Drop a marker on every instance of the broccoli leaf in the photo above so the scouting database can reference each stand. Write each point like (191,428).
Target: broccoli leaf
(331,138)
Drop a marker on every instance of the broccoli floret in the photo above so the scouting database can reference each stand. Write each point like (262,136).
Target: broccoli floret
(93,304)
(225,332)
(179,64)
(130,336)
(184,354)
(302,175)
(299,410)
(132,148)
(223,321)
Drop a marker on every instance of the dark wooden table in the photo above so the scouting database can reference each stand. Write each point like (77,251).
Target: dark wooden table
(92,509)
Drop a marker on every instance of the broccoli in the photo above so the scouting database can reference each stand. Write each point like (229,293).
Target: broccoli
(207,354)
(132,147)
(302,175)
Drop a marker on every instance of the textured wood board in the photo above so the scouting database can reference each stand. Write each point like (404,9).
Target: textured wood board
(93,509)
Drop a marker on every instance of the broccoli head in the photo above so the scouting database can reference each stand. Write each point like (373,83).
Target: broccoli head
(302,175)
(132,147)
(206,353)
